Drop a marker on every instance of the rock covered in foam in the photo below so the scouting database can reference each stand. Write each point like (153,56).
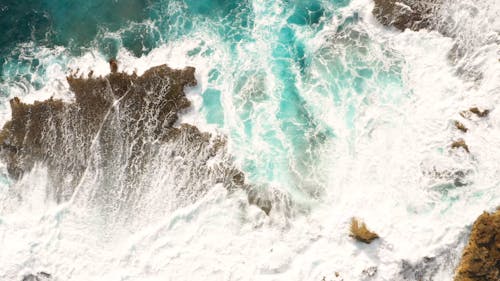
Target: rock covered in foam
(403,14)
(481,257)
(61,134)
(121,128)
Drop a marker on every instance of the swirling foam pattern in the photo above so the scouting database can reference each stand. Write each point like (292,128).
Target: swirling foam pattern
(320,104)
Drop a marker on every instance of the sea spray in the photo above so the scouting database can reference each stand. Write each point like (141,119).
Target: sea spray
(336,114)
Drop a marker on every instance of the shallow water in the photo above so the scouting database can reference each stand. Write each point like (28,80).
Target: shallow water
(322,106)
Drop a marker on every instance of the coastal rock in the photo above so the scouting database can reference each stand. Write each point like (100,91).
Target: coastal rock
(460,144)
(460,126)
(481,257)
(403,14)
(119,128)
(360,232)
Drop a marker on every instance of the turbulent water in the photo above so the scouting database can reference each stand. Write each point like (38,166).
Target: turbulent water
(334,114)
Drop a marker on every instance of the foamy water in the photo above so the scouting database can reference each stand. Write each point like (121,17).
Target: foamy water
(343,116)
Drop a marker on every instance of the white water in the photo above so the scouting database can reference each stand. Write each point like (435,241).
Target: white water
(376,168)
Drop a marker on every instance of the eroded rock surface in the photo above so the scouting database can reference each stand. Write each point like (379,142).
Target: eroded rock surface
(360,232)
(481,257)
(403,14)
(120,129)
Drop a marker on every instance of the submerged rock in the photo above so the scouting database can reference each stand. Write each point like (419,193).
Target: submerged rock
(40,276)
(403,14)
(121,129)
(481,257)
(360,232)
(429,268)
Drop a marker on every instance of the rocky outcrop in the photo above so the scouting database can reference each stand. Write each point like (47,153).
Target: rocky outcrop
(460,144)
(403,14)
(467,114)
(117,128)
(360,232)
(481,257)
(460,126)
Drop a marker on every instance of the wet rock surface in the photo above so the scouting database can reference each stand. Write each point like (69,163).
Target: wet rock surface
(428,268)
(361,233)
(403,14)
(481,257)
(117,128)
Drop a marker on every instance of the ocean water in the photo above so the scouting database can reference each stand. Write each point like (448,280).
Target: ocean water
(322,106)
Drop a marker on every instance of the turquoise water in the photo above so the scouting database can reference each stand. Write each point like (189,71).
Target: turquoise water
(275,61)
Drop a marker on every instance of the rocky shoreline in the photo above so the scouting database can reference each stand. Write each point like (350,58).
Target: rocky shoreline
(481,258)
(119,121)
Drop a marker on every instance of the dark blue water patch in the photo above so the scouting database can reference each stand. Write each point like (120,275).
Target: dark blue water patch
(22,21)
(73,24)
(51,22)
(109,46)
(21,66)
(140,39)
(80,21)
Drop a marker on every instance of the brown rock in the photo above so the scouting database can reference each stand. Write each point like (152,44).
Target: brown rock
(478,112)
(402,14)
(118,122)
(460,144)
(360,232)
(113,65)
(474,110)
(481,257)
(461,127)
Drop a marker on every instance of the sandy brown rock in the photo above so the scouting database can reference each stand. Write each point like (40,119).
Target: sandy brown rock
(403,14)
(460,144)
(118,127)
(460,126)
(360,232)
(478,112)
(481,257)
(467,114)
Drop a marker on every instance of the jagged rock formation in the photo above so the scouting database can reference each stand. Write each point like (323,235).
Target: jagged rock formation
(467,114)
(481,257)
(403,14)
(460,144)
(119,128)
(360,232)
(460,126)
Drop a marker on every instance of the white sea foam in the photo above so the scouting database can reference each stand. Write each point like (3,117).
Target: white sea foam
(379,169)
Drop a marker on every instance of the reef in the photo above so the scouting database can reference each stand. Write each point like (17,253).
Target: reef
(481,257)
(403,14)
(117,127)
(360,232)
